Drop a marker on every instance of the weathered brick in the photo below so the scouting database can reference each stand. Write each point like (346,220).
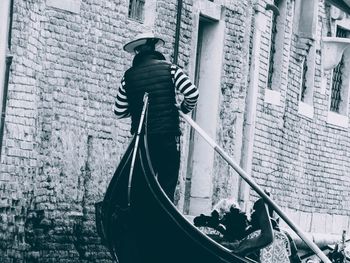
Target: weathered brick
(59,118)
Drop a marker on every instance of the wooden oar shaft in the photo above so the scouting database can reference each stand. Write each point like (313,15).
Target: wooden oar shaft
(257,188)
(136,145)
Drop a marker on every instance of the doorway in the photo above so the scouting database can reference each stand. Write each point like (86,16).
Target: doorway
(198,187)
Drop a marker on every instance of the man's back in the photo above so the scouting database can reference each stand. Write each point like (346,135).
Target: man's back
(153,76)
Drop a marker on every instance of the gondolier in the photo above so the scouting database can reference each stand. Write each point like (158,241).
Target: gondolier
(151,73)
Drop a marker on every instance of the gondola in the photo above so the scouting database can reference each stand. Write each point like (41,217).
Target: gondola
(140,224)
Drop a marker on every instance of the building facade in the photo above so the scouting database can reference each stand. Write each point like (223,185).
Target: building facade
(269,96)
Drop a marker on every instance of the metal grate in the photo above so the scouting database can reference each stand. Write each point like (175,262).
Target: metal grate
(136,9)
(272,48)
(337,79)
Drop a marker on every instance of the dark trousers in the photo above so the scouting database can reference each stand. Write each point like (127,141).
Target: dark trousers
(165,156)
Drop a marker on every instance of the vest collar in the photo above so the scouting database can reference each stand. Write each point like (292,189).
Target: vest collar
(144,57)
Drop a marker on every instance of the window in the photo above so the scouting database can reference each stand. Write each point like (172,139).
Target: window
(272,45)
(136,9)
(307,74)
(340,85)
(4,48)
(305,26)
(303,79)
(279,37)
(338,79)
(5,59)
(307,78)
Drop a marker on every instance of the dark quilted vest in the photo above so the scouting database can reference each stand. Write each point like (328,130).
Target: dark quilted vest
(152,76)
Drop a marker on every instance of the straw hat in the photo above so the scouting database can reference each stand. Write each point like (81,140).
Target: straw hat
(142,39)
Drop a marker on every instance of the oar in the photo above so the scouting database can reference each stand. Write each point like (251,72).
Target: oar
(139,129)
(256,187)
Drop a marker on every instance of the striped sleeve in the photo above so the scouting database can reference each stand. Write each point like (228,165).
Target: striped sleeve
(121,102)
(184,85)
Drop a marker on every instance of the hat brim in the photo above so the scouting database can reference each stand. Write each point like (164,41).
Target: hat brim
(130,47)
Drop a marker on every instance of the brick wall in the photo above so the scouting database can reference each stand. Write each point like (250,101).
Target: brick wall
(62,141)
(303,161)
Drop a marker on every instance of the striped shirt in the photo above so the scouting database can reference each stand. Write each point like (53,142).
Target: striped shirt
(182,85)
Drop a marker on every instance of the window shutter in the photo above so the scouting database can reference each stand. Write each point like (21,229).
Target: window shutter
(308,19)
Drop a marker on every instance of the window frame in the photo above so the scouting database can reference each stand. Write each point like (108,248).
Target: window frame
(307,83)
(306,25)
(340,119)
(136,13)
(274,80)
(5,57)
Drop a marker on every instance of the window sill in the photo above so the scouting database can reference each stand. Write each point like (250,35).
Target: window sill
(66,5)
(135,20)
(272,97)
(306,110)
(337,120)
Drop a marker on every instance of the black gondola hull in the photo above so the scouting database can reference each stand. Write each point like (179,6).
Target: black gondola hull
(151,229)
